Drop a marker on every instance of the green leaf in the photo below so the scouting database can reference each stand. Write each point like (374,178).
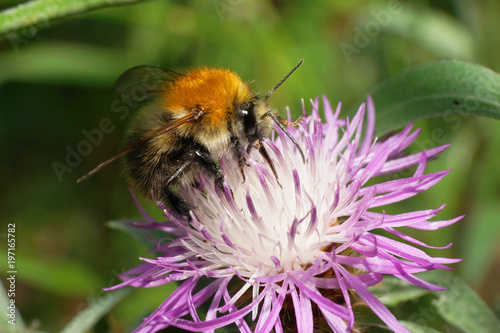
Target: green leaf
(143,236)
(461,306)
(392,291)
(415,328)
(436,89)
(37,14)
(96,309)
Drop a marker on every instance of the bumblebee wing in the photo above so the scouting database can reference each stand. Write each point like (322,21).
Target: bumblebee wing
(167,128)
(141,83)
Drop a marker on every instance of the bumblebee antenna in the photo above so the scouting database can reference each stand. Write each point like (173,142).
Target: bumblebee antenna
(103,164)
(282,122)
(266,98)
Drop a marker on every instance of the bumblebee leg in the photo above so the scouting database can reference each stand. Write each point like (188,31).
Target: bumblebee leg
(178,204)
(239,152)
(269,161)
(212,168)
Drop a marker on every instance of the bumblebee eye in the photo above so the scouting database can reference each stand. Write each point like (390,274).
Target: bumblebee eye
(249,121)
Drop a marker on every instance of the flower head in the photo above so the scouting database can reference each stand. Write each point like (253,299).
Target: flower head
(291,254)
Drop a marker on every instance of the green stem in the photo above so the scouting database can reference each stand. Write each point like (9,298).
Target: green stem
(36,14)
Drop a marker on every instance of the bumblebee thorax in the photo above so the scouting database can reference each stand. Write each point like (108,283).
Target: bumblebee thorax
(216,91)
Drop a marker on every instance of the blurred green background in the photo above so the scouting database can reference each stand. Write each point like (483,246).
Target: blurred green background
(56,82)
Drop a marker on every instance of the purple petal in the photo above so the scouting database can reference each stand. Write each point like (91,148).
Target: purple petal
(269,315)
(321,301)
(377,307)
(370,128)
(214,323)
(405,162)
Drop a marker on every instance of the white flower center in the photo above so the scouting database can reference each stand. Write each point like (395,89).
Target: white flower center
(264,228)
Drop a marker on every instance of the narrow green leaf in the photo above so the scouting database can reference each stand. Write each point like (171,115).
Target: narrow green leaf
(37,14)
(96,309)
(436,89)
(143,236)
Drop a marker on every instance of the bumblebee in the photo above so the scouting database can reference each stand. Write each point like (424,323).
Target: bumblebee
(186,122)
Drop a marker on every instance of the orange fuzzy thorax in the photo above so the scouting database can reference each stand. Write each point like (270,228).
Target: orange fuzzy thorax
(213,90)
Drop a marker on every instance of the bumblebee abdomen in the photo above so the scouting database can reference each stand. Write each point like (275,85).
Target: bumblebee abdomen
(153,169)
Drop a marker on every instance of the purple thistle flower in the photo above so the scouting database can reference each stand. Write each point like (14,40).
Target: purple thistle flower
(290,255)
